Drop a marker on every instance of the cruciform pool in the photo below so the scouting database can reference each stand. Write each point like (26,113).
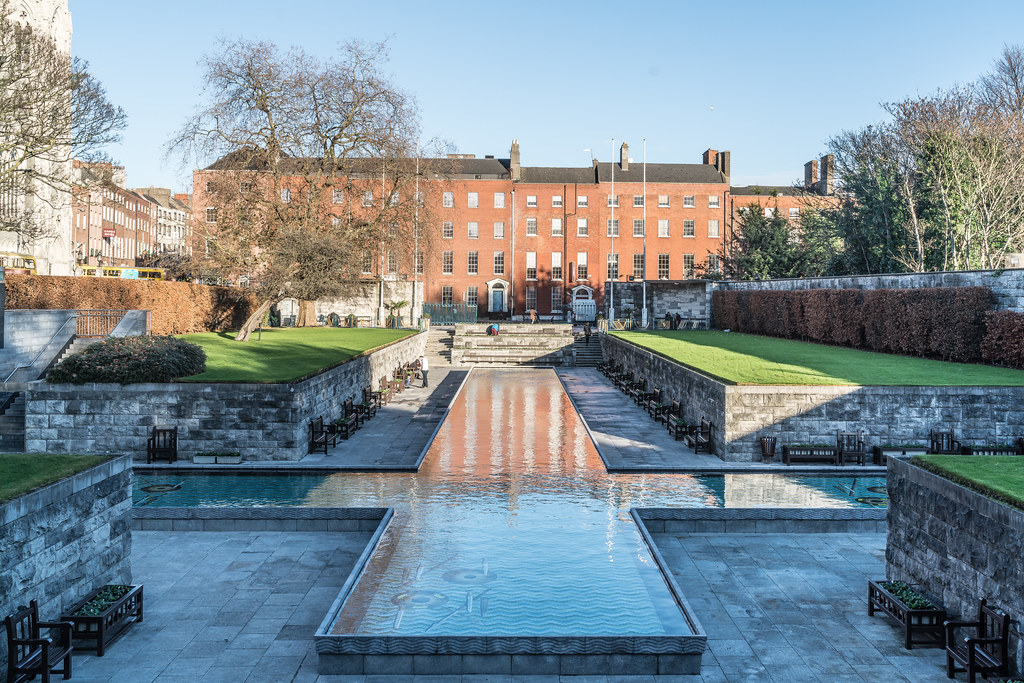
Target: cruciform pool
(513,540)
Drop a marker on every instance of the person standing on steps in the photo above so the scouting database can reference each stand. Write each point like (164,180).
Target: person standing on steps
(423,369)
(586,333)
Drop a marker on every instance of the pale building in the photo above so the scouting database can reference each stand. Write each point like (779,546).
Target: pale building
(173,221)
(53,246)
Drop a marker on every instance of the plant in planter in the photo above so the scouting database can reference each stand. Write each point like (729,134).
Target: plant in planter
(920,615)
(103,615)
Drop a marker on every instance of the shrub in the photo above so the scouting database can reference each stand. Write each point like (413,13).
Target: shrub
(175,307)
(127,360)
(940,322)
(1003,343)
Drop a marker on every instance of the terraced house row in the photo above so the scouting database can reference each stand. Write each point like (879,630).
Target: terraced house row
(508,238)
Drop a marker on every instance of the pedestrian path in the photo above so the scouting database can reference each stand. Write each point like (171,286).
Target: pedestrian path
(630,441)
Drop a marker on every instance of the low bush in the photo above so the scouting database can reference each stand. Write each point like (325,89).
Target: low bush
(128,360)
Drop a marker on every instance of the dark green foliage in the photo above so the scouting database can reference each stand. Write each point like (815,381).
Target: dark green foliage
(128,360)
(1004,339)
(102,600)
(934,322)
(763,247)
(907,595)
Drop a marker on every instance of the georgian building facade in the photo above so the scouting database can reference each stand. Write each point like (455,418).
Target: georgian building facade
(112,225)
(507,238)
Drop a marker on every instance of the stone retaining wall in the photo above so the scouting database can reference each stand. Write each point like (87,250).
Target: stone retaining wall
(61,542)
(957,544)
(515,344)
(262,421)
(812,414)
(25,335)
(763,520)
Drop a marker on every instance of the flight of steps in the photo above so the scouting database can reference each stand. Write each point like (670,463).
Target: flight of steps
(587,355)
(77,345)
(439,346)
(12,424)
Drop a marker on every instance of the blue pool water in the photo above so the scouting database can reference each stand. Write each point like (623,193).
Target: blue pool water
(512,526)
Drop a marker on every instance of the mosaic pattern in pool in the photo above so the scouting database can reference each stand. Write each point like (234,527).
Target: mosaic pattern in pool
(512,526)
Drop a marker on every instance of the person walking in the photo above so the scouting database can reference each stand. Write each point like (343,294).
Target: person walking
(533,316)
(586,332)
(424,366)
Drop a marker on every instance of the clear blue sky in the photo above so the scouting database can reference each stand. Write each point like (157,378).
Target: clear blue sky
(769,81)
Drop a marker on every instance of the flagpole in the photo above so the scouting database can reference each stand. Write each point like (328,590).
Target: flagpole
(611,200)
(415,233)
(643,298)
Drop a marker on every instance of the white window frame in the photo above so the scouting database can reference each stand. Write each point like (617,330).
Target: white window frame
(473,230)
(689,201)
(531,200)
(448,230)
(286,195)
(714,229)
(499,200)
(638,201)
(794,212)
(368,198)
(448,263)
(531,265)
(473,263)
(714,201)
(531,227)
(338,197)
(613,200)
(581,266)
(556,265)
(638,227)
(664,229)
(581,201)
(582,230)
(211,210)
(613,227)
(472,200)
(556,201)
(666,260)
(556,227)
(499,230)
(689,227)
(448,200)
(499,259)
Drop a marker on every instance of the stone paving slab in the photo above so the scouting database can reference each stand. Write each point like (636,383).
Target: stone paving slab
(628,440)
(392,441)
(243,606)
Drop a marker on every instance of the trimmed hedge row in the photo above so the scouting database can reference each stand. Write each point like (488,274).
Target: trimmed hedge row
(1004,339)
(127,360)
(176,307)
(938,322)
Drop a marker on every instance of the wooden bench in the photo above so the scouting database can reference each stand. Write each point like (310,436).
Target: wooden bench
(675,423)
(30,653)
(385,390)
(701,437)
(376,396)
(850,446)
(987,652)
(635,388)
(321,436)
(791,454)
(654,404)
(162,444)
(944,443)
(643,396)
(1005,449)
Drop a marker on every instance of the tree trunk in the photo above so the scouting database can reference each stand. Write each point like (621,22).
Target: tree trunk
(307,314)
(254,320)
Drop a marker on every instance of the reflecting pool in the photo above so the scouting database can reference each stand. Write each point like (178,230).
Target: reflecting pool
(512,526)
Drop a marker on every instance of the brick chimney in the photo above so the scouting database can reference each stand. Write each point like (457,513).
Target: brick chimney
(513,158)
(624,156)
(827,166)
(810,174)
(722,164)
(711,157)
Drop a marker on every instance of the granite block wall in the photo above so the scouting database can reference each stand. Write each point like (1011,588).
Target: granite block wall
(61,542)
(262,421)
(25,335)
(813,414)
(515,344)
(958,545)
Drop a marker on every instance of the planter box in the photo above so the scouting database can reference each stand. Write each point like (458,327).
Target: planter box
(882,454)
(104,627)
(791,454)
(920,626)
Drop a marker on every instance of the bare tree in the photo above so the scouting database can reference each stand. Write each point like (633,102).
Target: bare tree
(51,110)
(1003,87)
(317,175)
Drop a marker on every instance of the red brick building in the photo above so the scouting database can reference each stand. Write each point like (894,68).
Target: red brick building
(112,226)
(507,238)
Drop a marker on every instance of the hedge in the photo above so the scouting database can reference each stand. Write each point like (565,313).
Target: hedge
(1004,339)
(937,322)
(176,307)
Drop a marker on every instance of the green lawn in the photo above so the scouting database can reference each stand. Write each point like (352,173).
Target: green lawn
(752,359)
(996,476)
(284,354)
(21,473)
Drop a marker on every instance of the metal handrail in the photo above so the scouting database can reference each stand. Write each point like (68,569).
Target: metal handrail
(33,361)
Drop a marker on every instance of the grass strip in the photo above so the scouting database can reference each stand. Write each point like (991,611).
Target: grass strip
(285,354)
(1000,477)
(22,473)
(749,359)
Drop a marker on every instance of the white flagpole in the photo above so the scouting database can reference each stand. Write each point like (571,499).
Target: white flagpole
(643,298)
(611,298)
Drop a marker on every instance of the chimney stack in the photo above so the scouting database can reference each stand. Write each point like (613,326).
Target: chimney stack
(811,174)
(723,164)
(827,165)
(513,156)
(624,156)
(711,158)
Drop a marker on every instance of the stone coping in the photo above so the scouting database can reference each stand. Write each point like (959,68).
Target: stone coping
(62,490)
(258,519)
(762,520)
(962,496)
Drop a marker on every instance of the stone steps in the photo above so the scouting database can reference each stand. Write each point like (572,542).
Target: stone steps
(587,355)
(12,426)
